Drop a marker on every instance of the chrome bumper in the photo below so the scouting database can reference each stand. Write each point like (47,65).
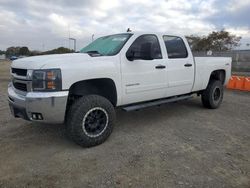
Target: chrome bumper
(52,105)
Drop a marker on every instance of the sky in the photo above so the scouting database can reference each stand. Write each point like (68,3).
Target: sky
(46,24)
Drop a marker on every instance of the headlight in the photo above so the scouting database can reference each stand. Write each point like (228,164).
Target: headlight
(47,80)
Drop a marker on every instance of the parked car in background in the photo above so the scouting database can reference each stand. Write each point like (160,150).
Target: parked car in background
(12,58)
(129,71)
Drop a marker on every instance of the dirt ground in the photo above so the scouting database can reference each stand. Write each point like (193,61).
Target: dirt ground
(176,145)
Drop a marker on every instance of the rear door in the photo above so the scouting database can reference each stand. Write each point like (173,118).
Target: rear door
(180,66)
(142,78)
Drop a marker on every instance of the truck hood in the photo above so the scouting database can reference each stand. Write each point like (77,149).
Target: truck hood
(54,61)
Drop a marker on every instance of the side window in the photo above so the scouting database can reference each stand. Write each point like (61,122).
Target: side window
(146,47)
(175,47)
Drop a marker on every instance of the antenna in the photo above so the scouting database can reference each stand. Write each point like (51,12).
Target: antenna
(129,30)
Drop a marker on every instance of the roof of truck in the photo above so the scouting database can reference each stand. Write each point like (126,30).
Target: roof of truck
(156,33)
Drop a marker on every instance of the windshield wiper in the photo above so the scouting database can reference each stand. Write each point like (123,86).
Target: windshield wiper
(93,53)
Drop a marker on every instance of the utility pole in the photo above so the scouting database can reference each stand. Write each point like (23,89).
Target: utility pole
(43,47)
(69,34)
(74,43)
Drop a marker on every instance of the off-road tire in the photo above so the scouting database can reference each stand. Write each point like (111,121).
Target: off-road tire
(208,95)
(77,114)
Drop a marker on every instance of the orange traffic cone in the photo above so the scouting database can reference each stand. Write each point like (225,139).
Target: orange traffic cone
(239,82)
(232,82)
(247,84)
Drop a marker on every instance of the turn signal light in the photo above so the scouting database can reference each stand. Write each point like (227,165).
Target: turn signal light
(51,85)
(51,75)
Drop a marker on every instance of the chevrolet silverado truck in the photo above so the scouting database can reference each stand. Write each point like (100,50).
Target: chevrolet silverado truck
(128,70)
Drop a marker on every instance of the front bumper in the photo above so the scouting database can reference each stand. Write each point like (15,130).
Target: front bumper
(51,105)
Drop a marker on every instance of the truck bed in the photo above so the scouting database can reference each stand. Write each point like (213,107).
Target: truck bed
(204,66)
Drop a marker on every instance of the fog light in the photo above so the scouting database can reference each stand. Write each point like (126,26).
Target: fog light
(33,116)
(37,116)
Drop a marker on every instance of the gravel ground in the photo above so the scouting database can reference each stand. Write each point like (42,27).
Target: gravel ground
(176,145)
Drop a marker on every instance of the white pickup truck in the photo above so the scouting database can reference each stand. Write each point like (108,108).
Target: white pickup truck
(127,70)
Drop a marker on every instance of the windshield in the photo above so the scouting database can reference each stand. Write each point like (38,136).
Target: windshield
(107,45)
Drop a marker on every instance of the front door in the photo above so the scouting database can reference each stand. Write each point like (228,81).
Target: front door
(144,75)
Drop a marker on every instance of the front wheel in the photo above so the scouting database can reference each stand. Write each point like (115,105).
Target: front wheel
(213,95)
(90,120)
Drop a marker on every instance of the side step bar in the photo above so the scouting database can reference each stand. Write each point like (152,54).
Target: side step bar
(155,103)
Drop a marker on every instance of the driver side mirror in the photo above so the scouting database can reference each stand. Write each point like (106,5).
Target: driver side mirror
(130,55)
(144,52)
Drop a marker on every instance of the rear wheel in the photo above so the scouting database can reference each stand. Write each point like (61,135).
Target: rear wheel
(213,95)
(90,120)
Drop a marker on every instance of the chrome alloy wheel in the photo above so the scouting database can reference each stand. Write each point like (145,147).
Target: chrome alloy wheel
(95,122)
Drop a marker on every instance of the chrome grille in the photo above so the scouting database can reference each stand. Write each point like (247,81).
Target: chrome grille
(19,72)
(20,81)
(20,86)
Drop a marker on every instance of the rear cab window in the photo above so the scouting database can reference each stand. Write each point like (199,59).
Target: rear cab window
(175,46)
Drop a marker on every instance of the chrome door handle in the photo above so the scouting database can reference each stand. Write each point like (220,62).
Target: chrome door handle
(188,65)
(160,67)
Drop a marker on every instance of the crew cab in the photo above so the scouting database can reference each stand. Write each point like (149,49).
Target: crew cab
(128,70)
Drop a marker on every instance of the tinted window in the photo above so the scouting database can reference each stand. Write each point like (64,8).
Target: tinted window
(146,47)
(175,47)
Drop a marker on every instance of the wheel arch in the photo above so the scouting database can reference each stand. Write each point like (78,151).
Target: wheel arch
(219,74)
(99,86)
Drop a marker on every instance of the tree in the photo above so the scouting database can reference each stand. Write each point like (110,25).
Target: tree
(60,50)
(17,51)
(35,52)
(2,52)
(215,41)
(12,51)
(24,51)
(193,41)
